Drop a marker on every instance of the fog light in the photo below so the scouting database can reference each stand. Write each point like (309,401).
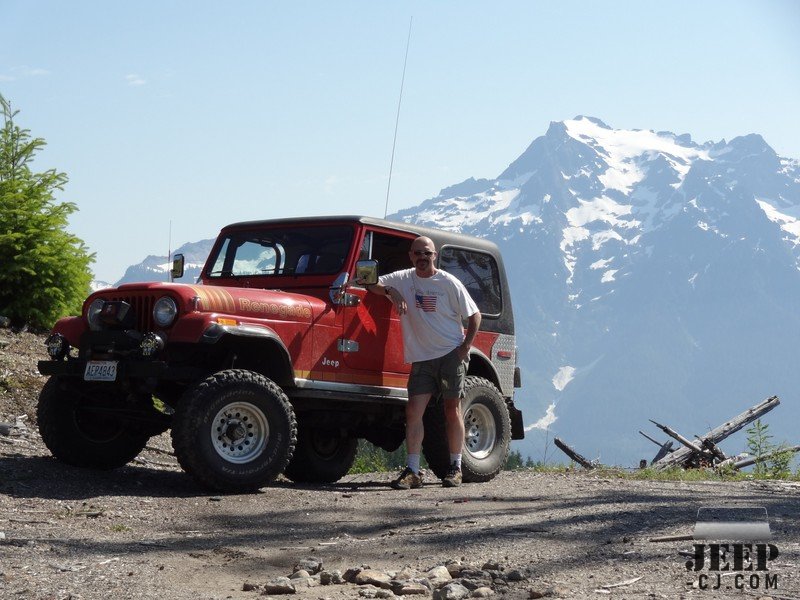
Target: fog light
(57,346)
(151,344)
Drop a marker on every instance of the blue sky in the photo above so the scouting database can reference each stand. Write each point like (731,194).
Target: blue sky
(207,113)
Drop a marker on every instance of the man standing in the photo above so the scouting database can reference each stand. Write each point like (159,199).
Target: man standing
(432,305)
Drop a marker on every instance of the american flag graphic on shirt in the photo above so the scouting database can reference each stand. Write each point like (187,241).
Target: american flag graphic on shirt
(426,303)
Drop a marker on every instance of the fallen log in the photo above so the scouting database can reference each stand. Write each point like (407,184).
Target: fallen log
(682,456)
(746,462)
(663,449)
(713,448)
(581,460)
(674,434)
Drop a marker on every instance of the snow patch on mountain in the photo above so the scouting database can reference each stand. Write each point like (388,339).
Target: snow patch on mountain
(459,212)
(626,151)
(96,285)
(545,421)
(562,378)
(608,276)
(788,223)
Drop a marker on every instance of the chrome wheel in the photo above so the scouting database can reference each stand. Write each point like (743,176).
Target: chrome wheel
(240,432)
(481,431)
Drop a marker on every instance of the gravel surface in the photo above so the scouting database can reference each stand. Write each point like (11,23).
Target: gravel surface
(147,531)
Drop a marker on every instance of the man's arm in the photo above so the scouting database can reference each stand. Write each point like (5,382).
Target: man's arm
(473,324)
(377,288)
(391,293)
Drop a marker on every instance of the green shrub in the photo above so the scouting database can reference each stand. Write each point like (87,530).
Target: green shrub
(371,459)
(45,272)
(759,443)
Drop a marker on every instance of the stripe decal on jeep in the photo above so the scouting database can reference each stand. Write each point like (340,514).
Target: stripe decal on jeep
(364,379)
(214,299)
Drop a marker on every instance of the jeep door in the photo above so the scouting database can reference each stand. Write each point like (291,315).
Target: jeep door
(372,342)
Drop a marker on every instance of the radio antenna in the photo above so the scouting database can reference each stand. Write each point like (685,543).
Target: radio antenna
(397,120)
(169,252)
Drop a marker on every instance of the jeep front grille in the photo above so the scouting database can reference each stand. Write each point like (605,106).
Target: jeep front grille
(142,305)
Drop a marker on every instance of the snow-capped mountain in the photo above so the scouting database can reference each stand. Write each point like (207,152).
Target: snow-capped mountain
(157,268)
(652,277)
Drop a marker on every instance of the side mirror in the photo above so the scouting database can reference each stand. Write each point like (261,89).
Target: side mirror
(177,267)
(367,272)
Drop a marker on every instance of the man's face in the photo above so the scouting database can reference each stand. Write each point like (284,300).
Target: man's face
(422,254)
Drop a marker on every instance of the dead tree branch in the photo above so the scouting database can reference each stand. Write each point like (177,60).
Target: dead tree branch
(581,460)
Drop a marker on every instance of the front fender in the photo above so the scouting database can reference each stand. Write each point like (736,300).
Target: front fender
(71,328)
(257,347)
(215,331)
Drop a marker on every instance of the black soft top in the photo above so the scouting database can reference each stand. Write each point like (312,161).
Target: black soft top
(438,236)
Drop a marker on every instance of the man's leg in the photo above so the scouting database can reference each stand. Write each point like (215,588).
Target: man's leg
(454,419)
(455,440)
(454,372)
(415,430)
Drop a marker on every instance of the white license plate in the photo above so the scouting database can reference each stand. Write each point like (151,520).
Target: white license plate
(100,370)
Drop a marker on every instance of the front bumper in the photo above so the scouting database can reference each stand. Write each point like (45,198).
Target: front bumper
(126,370)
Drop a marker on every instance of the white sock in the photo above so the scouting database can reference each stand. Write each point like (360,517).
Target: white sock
(455,459)
(413,462)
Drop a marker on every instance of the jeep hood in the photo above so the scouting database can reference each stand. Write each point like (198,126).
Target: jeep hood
(245,302)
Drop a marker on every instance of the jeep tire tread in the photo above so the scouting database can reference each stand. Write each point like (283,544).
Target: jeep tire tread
(488,433)
(80,436)
(235,431)
(321,456)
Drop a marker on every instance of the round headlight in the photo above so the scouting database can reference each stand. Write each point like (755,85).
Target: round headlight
(164,311)
(93,313)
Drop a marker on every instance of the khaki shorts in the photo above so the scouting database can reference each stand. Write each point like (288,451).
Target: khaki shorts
(444,375)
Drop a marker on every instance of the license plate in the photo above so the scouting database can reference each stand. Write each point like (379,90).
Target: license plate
(100,370)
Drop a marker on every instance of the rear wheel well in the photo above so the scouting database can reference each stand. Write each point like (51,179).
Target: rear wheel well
(480,367)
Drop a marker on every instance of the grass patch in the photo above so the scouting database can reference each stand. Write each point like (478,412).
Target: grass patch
(650,474)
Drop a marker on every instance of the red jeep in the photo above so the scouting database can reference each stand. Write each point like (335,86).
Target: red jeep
(275,361)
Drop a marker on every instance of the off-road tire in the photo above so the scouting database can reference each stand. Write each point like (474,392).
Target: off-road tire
(234,432)
(488,433)
(321,456)
(79,436)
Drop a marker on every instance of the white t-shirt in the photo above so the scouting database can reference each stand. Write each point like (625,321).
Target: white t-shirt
(437,305)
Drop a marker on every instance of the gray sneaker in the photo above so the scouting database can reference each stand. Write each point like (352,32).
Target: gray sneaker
(408,480)
(453,477)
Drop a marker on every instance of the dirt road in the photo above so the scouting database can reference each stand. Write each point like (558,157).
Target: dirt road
(146,531)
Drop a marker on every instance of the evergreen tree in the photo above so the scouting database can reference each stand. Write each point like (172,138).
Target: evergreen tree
(44,270)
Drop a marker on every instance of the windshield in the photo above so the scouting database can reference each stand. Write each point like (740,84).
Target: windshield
(282,251)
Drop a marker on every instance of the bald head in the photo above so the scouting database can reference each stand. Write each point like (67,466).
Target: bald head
(422,254)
